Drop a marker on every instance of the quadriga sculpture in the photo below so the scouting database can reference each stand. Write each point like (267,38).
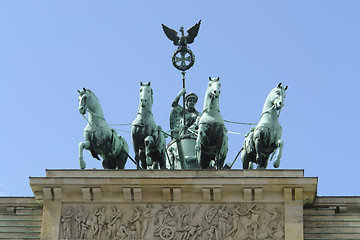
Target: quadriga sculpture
(100,139)
(265,138)
(212,141)
(148,139)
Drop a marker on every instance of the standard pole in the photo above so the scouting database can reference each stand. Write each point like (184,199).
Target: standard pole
(184,107)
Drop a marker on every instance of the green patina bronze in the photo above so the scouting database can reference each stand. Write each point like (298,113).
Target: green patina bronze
(265,138)
(183,119)
(212,140)
(183,58)
(100,139)
(198,139)
(148,139)
(184,132)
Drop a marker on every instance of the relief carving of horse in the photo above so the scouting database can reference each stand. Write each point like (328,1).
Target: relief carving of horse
(148,139)
(265,138)
(212,141)
(100,139)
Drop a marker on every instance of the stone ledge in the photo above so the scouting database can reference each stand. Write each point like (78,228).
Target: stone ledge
(174,186)
(173,173)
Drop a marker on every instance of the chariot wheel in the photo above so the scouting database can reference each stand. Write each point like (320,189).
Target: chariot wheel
(166,233)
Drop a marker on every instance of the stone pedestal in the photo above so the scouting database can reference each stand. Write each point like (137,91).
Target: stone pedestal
(173,205)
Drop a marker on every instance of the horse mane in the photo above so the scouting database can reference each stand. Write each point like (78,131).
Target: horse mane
(93,94)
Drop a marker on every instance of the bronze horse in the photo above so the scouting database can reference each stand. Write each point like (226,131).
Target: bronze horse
(148,139)
(212,141)
(265,138)
(100,139)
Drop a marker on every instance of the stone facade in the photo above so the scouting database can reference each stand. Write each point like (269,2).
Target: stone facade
(173,205)
(178,205)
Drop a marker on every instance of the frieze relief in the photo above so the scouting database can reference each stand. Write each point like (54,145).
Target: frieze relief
(172,221)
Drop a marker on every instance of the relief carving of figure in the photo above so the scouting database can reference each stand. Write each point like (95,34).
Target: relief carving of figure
(210,214)
(184,216)
(191,232)
(164,215)
(81,227)
(66,221)
(121,233)
(146,212)
(222,225)
(174,222)
(101,217)
(112,226)
(85,226)
(274,223)
(94,225)
(235,229)
(135,224)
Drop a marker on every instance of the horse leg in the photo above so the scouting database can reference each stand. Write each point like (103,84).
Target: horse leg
(246,159)
(222,147)
(199,143)
(82,146)
(262,162)
(109,162)
(261,158)
(122,157)
(148,142)
(161,145)
(280,145)
(137,156)
(258,144)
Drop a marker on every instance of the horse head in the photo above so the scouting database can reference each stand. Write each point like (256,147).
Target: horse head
(277,96)
(213,89)
(146,95)
(84,99)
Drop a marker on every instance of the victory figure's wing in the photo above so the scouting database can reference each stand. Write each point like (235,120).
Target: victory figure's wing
(171,34)
(192,33)
(175,119)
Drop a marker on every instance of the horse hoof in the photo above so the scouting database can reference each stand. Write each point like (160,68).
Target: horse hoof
(149,161)
(212,165)
(251,166)
(276,164)
(82,165)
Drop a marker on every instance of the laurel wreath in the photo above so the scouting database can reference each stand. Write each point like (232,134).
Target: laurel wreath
(186,67)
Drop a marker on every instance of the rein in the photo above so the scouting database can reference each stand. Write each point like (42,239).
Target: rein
(207,107)
(139,113)
(97,115)
(278,114)
(87,120)
(92,114)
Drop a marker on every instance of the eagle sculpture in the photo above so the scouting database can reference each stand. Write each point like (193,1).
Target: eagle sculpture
(182,40)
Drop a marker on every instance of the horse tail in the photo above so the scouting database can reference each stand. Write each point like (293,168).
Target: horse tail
(124,152)
(249,144)
(123,143)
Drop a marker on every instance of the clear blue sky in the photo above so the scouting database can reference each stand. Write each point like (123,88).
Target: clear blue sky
(49,49)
